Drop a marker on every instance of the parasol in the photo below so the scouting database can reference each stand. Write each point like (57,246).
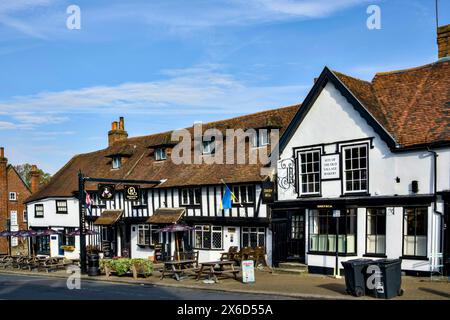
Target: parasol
(77,232)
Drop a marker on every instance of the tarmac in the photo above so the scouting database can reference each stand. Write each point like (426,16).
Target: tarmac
(305,286)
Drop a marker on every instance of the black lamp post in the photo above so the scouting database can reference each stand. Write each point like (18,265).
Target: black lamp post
(82,217)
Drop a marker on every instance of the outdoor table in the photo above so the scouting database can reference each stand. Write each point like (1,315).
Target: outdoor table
(177,268)
(225,268)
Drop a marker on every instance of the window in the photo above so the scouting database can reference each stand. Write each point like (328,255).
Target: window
(13,217)
(12,196)
(355,168)
(191,196)
(310,172)
(376,231)
(61,206)
(160,154)
(42,245)
(415,232)
(25,216)
(208,237)
(39,210)
(244,194)
(261,138)
(116,163)
(297,226)
(322,231)
(67,240)
(209,146)
(147,235)
(253,237)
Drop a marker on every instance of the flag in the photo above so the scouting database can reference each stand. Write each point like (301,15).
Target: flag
(227,197)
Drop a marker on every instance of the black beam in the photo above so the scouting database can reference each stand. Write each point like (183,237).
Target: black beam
(82,217)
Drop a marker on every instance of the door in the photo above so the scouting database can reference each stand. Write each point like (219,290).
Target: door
(125,240)
(280,232)
(296,240)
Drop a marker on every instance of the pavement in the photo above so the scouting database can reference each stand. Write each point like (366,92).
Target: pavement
(271,285)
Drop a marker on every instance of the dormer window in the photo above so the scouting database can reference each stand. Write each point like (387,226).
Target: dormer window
(261,138)
(209,146)
(116,162)
(160,154)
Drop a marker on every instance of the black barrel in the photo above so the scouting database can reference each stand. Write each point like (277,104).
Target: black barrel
(93,264)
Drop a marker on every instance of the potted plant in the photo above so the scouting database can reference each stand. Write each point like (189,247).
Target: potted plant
(141,266)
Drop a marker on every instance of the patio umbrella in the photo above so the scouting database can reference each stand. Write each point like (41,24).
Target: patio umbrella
(24,233)
(46,232)
(77,233)
(5,233)
(176,228)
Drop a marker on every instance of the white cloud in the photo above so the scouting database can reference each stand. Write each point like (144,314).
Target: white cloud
(199,90)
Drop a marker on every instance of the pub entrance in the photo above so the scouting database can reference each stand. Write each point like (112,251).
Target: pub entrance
(288,231)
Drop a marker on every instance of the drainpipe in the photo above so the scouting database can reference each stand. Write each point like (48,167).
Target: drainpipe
(435,155)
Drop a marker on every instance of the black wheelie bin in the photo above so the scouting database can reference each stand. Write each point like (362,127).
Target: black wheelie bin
(355,276)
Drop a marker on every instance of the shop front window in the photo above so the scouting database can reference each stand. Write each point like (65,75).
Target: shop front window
(376,231)
(323,231)
(415,232)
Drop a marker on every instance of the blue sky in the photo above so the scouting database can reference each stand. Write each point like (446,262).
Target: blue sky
(165,64)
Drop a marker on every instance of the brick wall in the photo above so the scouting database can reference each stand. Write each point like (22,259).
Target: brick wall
(444,41)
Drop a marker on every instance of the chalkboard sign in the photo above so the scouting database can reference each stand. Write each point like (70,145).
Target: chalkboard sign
(106,246)
(248,271)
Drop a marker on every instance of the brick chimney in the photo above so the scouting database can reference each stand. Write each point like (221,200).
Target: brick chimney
(117,132)
(3,193)
(35,178)
(443,40)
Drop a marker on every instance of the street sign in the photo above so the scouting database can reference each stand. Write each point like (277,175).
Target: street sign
(106,191)
(132,193)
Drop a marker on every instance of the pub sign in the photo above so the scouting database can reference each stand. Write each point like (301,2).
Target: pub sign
(132,193)
(268,192)
(106,191)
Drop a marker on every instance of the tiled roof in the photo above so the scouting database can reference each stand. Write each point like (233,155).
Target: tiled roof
(141,164)
(413,105)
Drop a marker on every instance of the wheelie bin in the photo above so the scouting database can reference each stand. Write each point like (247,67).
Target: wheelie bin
(355,276)
(389,282)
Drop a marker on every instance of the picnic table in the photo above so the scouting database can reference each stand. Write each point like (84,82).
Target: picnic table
(224,268)
(178,268)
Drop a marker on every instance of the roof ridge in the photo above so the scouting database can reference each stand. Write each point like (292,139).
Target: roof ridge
(428,65)
(346,75)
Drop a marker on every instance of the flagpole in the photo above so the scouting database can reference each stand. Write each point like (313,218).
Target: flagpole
(232,193)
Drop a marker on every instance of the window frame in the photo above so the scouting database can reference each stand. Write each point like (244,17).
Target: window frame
(415,256)
(345,214)
(40,205)
(191,196)
(344,168)
(151,229)
(301,173)
(58,211)
(116,162)
(14,194)
(239,197)
(249,231)
(160,154)
(376,215)
(201,228)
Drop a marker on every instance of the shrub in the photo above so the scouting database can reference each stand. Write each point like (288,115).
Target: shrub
(143,266)
(121,266)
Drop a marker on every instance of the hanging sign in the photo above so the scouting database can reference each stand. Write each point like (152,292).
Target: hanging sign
(248,271)
(132,193)
(106,191)
(330,167)
(268,192)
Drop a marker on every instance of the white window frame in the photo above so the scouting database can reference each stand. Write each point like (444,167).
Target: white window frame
(40,205)
(12,196)
(238,195)
(57,207)
(248,230)
(211,230)
(160,154)
(190,201)
(261,138)
(344,168)
(307,173)
(208,147)
(146,228)
(116,162)
(15,221)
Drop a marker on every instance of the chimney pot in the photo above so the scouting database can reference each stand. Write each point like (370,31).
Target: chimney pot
(443,40)
(121,123)
(2,152)
(114,125)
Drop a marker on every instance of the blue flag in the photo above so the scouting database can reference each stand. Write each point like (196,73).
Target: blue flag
(226,200)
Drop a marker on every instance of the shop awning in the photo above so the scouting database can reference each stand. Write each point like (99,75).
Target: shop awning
(166,215)
(109,217)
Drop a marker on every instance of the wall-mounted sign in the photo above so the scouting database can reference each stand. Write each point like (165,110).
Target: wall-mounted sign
(132,193)
(330,167)
(268,192)
(248,271)
(106,191)
(324,206)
